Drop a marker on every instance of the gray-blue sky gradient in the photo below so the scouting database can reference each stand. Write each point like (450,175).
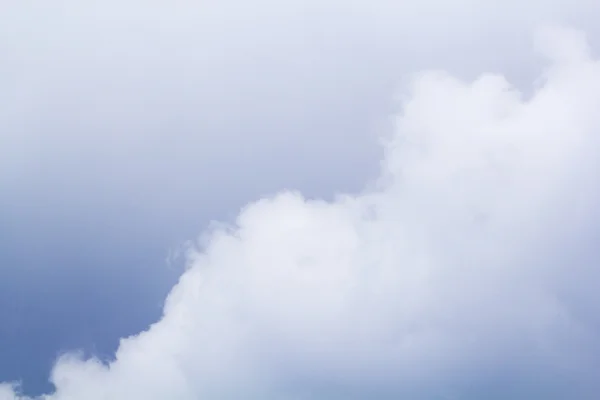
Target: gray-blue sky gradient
(127,127)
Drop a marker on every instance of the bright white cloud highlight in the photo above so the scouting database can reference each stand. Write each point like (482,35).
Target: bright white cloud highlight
(456,265)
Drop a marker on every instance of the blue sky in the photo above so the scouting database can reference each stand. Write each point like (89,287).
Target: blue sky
(459,264)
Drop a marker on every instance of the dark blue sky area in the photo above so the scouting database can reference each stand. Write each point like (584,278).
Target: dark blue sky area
(74,289)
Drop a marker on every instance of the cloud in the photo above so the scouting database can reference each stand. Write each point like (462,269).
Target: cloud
(467,263)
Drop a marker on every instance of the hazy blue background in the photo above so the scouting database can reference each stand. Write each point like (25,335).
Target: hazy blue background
(126,127)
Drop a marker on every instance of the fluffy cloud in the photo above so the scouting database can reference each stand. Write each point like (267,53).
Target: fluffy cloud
(465,268)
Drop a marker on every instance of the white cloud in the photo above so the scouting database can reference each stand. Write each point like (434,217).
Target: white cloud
(457,267)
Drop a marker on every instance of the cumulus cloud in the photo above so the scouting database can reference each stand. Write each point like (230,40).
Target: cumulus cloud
(466,263)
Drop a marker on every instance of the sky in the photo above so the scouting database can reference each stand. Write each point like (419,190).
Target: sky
(299,200)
